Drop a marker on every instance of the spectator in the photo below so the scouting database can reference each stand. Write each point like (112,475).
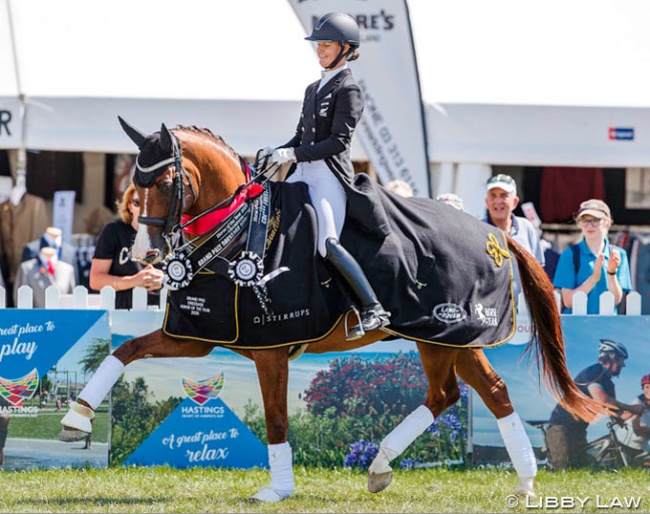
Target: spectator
(501,200)
(582,267)
(112,264)
(401,188)
(451,199)
(636,433)
(566,437)
(42,272)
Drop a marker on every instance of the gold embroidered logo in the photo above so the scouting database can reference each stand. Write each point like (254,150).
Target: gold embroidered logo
(274,226)
(495,251)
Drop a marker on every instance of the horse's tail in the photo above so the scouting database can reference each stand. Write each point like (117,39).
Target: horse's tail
(547,343)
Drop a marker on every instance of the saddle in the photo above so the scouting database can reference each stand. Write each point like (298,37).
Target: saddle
(445,276)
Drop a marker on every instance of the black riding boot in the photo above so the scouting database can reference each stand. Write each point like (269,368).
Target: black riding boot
(373,315)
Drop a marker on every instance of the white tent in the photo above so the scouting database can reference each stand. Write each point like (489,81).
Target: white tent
(505,82)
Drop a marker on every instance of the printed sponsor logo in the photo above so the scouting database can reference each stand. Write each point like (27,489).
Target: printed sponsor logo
(205,390)
(20,389)
(486,315)
(449,313)
(284,316)
(621,133)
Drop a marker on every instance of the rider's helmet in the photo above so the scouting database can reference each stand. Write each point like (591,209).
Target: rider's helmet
(609,346)
(645,379)
(336,26)
(341,27)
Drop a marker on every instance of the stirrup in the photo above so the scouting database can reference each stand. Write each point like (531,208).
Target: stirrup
(357,331)
(372,318)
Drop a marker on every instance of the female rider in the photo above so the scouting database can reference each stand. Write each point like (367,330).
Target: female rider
(331,110)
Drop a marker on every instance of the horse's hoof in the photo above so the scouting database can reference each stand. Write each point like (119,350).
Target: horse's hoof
(77,423)
(71,435)
(379,481)
(269,495)
(525,492)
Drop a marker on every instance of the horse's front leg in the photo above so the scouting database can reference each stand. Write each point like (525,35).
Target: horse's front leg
(273,375)
(77,421)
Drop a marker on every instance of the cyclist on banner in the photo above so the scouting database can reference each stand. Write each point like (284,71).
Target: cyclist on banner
(566,437)
(636,432)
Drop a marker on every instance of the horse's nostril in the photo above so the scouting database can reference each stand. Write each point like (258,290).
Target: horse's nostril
(152,256)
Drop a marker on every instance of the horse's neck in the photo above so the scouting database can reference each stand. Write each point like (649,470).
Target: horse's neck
(218,181)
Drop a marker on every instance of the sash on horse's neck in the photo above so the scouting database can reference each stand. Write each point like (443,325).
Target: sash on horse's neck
(211,220)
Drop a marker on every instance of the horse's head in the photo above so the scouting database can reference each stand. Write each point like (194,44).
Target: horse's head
(171,183)
(165,189)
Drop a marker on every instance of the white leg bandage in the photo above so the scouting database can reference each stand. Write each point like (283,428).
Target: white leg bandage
(518,446)
(101,382)
(407,431)
(281,463)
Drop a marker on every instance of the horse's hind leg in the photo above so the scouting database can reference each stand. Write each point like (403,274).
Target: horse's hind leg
(438,363)
(273,375)
(475,369)
(77,421)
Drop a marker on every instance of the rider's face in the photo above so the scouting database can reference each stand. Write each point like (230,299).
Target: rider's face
(328,51)
(616,365)
(646,392)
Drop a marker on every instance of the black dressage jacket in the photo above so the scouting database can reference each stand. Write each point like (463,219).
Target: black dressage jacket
(327,121)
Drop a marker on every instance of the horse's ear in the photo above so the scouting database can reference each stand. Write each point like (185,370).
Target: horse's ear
(136,136)
(166,139)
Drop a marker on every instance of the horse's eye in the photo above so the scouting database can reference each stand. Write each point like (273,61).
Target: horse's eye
(165,188)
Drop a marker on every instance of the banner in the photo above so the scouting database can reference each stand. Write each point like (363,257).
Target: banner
(187,412)
(582,334)
(46,358)
(392,130)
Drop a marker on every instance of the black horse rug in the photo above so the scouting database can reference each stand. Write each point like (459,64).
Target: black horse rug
(445,276)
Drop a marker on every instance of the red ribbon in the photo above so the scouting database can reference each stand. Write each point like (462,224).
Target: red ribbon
(206,223)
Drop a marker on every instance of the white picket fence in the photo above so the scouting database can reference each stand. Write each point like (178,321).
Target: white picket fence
(80,299)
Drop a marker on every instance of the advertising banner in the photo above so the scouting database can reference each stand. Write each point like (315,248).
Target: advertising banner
(392,130)
(46,357)
(582,335)
(187,412)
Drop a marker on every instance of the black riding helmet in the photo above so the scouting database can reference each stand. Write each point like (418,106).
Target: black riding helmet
(337,26)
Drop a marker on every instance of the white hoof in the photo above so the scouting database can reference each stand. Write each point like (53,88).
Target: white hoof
(380,474)
(76,423)
(269,495)
(525,489)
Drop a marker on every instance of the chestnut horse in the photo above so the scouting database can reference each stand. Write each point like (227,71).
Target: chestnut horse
(206,177)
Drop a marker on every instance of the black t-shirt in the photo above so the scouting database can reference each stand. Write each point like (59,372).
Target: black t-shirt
(595,374)
(115,243)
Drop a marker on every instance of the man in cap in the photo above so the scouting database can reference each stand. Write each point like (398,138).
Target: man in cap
(501,200)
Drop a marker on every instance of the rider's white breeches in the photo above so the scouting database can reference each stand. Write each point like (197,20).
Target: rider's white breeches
(327,197)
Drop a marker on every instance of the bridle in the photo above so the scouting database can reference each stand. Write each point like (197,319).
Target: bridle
(173,224)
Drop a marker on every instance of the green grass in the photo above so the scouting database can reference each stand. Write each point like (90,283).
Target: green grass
(317,490)
(48,426)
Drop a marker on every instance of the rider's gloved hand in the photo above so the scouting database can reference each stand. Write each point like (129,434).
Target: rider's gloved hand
(282,155)
(262,153)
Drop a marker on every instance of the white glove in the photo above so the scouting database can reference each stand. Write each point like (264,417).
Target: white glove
(262,153)
(282,155)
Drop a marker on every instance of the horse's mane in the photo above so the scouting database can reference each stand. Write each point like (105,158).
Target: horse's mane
(203,131)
